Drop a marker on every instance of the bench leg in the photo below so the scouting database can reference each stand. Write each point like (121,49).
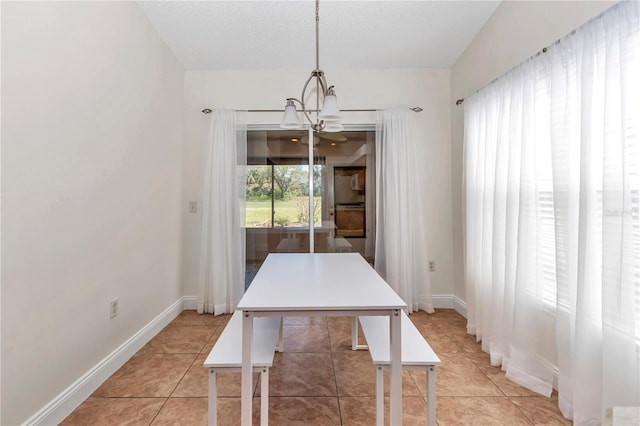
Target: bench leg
(431,396)
(247,369)
(213,398)
(264,397)
(354,336)
(379,396)
(280,347)
(395,368)
(354,333)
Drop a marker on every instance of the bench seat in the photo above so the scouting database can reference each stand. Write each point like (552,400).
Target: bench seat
(226,356)
(416,354)
(338,244)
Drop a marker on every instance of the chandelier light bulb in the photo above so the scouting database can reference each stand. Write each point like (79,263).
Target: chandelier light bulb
(330,109)
(290,121)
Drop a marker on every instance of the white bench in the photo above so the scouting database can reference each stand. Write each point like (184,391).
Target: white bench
(416,355)
(226,356)
(338,244)
(290,245)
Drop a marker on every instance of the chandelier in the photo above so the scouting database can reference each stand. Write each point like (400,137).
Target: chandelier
(328,118)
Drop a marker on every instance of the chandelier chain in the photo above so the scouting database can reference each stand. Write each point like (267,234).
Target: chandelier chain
(327,114)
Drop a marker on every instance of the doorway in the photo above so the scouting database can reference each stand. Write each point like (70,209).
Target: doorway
(277,193)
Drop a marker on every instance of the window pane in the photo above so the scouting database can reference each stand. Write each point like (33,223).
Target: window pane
(291,204)
(259,195)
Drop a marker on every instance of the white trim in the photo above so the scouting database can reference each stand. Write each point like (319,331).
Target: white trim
(67,401)
(460,306)
(447,301)
(190,303)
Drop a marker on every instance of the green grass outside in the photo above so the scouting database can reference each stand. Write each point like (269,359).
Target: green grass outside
(258,213)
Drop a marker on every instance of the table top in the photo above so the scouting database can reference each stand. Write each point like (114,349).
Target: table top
(317,282)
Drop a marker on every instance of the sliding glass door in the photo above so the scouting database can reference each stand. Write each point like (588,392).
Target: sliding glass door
(278,201)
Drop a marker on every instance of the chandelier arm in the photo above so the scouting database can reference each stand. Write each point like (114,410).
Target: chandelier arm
(306,84)
(314,73)
(323,85)
(306,114)
(303,109)
(320,95)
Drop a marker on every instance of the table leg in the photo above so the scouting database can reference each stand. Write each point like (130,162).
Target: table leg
(264,397)
(395,412)
(213,398)
(431,396)
(379,396)
(247,368)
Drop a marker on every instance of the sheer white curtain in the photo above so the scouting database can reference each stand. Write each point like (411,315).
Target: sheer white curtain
(552,184)
(222,236)
(401,238)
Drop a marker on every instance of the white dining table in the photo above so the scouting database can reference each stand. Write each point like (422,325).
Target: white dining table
(320,284)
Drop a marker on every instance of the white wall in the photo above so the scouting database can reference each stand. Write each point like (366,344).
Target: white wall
(515,31)
(91,181)
(356,89)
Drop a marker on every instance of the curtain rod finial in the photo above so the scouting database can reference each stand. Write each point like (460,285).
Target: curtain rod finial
(460,101)
(207,111)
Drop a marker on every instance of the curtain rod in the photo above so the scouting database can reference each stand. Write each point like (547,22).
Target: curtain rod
(209,110)
(544,50)
(541,51)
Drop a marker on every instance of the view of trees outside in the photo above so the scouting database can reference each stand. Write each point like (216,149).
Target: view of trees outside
(287,187)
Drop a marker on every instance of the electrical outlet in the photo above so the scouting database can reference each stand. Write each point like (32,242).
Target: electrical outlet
(432,265)
(193,206)
(113,308)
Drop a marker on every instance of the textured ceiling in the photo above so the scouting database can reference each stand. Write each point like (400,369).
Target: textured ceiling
(353,34)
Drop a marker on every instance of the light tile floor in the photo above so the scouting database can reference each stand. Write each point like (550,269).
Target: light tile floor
(318,380)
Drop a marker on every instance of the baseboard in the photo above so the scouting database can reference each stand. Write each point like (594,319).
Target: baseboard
(449,301)
(460,306)
(62,405)
(190,303)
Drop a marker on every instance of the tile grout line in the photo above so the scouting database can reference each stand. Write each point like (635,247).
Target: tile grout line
(182,378)
(500,389)
(522,412)
(505,396)
(158,412)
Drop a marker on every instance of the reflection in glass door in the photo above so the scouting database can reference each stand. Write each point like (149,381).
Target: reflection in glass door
(277,194)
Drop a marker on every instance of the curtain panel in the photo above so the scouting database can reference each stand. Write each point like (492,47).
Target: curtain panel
(222,195)
(401,231)
(552,190)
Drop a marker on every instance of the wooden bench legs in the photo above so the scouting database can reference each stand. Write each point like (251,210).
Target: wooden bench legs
(213,393)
